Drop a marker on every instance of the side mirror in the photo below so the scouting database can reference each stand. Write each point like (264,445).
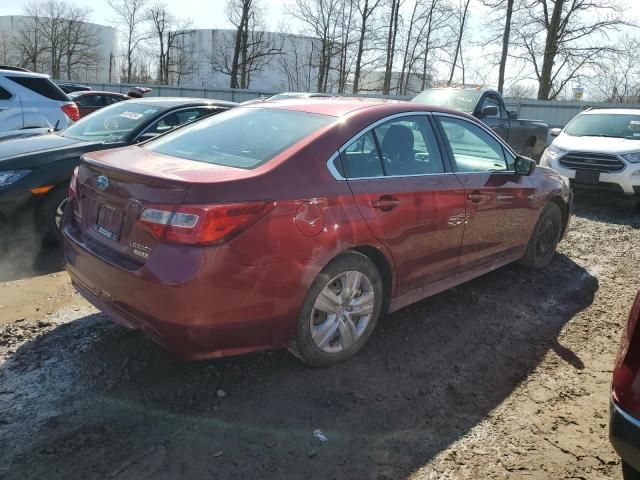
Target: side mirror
(524,166)
(554,132)
(513,114)
(489,112)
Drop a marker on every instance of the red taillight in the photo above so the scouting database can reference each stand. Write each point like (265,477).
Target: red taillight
(202,224)
(71,111)
(626,376)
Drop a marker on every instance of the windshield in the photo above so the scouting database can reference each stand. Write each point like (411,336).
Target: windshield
(243,137)
(605,125)
(113,123)
(461,100)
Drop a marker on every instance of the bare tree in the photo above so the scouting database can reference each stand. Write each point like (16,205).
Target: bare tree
(394,19)
(320,19)
(80,42)
(366,10)
(559,38)
(130,15)
(617,76)
(168,32)
(253,48)
(505,9)
(464,8)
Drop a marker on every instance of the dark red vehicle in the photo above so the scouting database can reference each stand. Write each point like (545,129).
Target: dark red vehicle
(92,100)
(624,425)
(300,223)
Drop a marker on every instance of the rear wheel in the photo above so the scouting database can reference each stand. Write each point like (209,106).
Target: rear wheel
(629,473)
(51,213)
(340,311)
(542,244)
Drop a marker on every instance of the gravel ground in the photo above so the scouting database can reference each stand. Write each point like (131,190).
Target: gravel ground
(504,377)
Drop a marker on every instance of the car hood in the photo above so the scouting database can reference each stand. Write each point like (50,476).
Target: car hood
(36,151)
(597,144)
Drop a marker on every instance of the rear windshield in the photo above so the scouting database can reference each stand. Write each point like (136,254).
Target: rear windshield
(41,86)
(605,125)
(113,123)
(242,137)
(461,100)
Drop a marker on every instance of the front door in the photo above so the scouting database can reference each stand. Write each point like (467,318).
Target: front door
(411,204)
(497,199)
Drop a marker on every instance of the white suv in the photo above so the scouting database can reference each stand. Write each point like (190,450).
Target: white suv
(599,149)
(31,100)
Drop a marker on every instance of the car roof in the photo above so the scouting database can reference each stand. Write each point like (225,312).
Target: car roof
(613,111)
(91,92)
(172,102)
(18,73)
(340,106)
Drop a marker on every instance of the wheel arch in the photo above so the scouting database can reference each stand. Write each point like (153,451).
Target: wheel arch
(384,265)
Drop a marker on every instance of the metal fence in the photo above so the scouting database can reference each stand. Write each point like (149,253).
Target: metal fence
(555,113)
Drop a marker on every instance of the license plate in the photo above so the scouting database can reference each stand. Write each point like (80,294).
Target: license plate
(588,177)
(109,222)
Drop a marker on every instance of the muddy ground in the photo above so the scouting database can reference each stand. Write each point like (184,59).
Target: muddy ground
(504,377)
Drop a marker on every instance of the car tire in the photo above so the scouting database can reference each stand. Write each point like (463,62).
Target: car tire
(340,311)
(51,213)
(542,244)
(629,473)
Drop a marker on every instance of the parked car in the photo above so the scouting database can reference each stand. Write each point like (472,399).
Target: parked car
(32,100)
(89,102)
(526,137)
(299,223)
(35,171)
(624,425)
(599,150)
(70,87)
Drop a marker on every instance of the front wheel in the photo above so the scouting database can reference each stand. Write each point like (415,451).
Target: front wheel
(340,311)
(629,473)
(51,213)
(542,244)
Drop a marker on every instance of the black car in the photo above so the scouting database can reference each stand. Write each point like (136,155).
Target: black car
(69,87)
(35,171)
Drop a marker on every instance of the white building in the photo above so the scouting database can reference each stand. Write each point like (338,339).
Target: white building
(290,65)
(94,62)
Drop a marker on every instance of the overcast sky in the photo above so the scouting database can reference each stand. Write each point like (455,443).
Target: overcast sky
(210,13)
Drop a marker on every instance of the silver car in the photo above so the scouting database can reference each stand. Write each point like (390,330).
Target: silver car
(31,100)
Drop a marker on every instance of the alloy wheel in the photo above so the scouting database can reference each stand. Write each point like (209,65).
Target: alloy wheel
(342,311)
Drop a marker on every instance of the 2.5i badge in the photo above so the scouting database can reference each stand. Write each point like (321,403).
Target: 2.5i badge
(140,250)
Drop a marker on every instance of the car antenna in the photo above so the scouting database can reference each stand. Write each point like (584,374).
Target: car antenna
(55,127)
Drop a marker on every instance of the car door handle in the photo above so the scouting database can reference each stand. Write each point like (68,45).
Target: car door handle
(476,197)
(385,203)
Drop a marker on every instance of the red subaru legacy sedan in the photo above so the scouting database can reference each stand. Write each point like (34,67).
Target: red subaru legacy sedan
(300,223)
(624,425)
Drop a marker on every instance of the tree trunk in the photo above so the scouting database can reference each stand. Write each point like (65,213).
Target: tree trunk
(363,31)
(244,20)
(391,46)
(459,44)
(550,51)
(505,45)
(426,47)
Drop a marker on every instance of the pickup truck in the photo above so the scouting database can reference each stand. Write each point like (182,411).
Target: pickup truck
(527,137)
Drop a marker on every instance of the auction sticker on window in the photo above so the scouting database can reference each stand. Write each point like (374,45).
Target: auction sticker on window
(131,115)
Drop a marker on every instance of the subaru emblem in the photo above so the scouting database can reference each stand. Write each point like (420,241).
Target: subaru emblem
(102,182)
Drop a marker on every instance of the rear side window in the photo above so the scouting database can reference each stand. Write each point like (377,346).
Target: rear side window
(41,86)
(400,147)
(4,94)
(90,101)
(243,137)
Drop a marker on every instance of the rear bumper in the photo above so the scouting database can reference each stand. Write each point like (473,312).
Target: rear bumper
(196,302)
(624,433)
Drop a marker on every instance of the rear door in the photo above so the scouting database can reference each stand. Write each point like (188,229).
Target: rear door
(10,111)
(498,202)
(411,203)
